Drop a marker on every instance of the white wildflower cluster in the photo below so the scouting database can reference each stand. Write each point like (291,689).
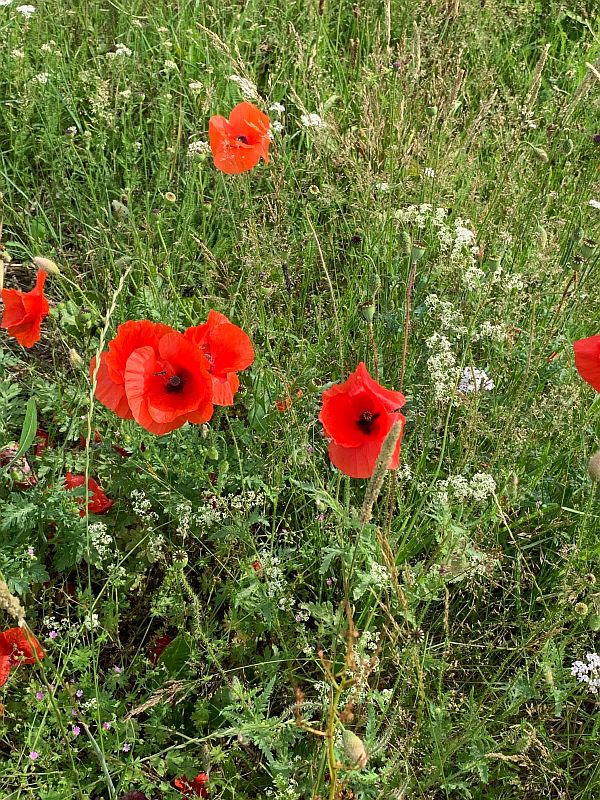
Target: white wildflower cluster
(142,506)
(199,148)
(312,121)
(473,278)
(170,66)
(302,614)
(382,186)
(17,53)
(588,671)
(285,788)
(27,11)
(446,314)
(91,621)
(154,547)
(101,544)
(475,380)
(456,240)
(88,705)
(49,47)
(53,624)
(246,87)
(366,663)
(216,509)
(514,283)
(272,572)
(496,332)
(120,51)
(379,575)
(41,79)
(404,473)
(594,204)
(195,87)
(184,517)
(101,103)
(276,127)
(443,369)
(278,108)
(458,488)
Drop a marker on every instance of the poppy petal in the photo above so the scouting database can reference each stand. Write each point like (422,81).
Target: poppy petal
(131,336)
(110,394)
(587,360)
(359,462)
(391,400)
(224,389)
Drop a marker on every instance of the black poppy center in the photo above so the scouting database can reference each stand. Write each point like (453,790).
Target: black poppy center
(366,421)
(243,139)
(174,384)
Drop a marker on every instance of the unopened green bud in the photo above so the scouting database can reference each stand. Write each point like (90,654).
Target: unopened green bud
(368,311)
(578,235)
(594,467)
(47,265)
(539,153)
(567,146)
(354,748)
(119,209)
(417,250)
(431,111)
(405,243)
(593,622)
(374,285)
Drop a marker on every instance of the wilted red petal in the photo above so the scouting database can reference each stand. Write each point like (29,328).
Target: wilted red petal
(587,360)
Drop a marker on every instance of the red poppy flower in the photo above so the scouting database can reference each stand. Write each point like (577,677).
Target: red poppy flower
(194,788)
(158,646)
(155,375)
(357,416)
(24,312)
(587,360)
(228,350)
(238,143)
(15,649)
(98,502)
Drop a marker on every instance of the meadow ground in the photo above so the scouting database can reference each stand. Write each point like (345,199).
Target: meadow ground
(234,625)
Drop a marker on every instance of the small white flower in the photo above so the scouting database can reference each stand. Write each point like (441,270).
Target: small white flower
(277,126)
(475,380)
(16,53)
(42,78)
(27,11)
(277,107)
(170,66)
(594,204)
(382,186)
(195,87)
(312,121)
(5,3)
(120,50)
(429,172)
(198,148)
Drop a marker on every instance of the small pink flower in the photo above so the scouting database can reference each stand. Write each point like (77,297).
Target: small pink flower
(76,730)
(39,695)
(126,747)
(53,634)
(33,755)
(106,726)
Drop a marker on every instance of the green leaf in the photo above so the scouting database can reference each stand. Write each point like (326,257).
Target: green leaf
(177,653)
(27,431)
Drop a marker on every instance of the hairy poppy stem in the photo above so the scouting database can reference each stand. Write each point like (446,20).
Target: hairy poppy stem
(407,301)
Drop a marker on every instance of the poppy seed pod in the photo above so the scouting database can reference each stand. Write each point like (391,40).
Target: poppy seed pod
(354,748)
(417,250)
(594,467)
(581,609)
(47,265)
(431,111)
(368,312)
(588,248)
(494,262)
(180,559)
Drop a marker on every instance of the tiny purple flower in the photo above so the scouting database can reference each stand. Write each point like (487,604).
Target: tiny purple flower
(53,634)
(126,747)
(106,726)
(73,712)
(329,581)
(39,695)
(118,670)
(79,693)
(76,730)
(30,552)
(33,755)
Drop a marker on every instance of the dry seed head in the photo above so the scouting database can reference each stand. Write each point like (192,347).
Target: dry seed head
(75,360)
(581,609)
(10,603)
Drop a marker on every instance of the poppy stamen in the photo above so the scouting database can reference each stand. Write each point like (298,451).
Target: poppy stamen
(366,421)
(174,384)
(243,139)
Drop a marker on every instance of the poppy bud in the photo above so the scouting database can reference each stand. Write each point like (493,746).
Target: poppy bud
(47,265)
(594,622)
(541,238)
(417,250)
(567,146)
(578,235)
(368,312)
(539,153)
(75,360)
(431,111)
(494,261)
(374,285)
(405,243)
(354,748)
(588,248)
(119,210)
(594,467)
(581,609)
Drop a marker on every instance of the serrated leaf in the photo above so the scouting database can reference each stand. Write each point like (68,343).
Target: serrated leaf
(28,431)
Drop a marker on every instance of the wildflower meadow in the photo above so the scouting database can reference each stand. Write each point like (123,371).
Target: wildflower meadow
(299,400)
